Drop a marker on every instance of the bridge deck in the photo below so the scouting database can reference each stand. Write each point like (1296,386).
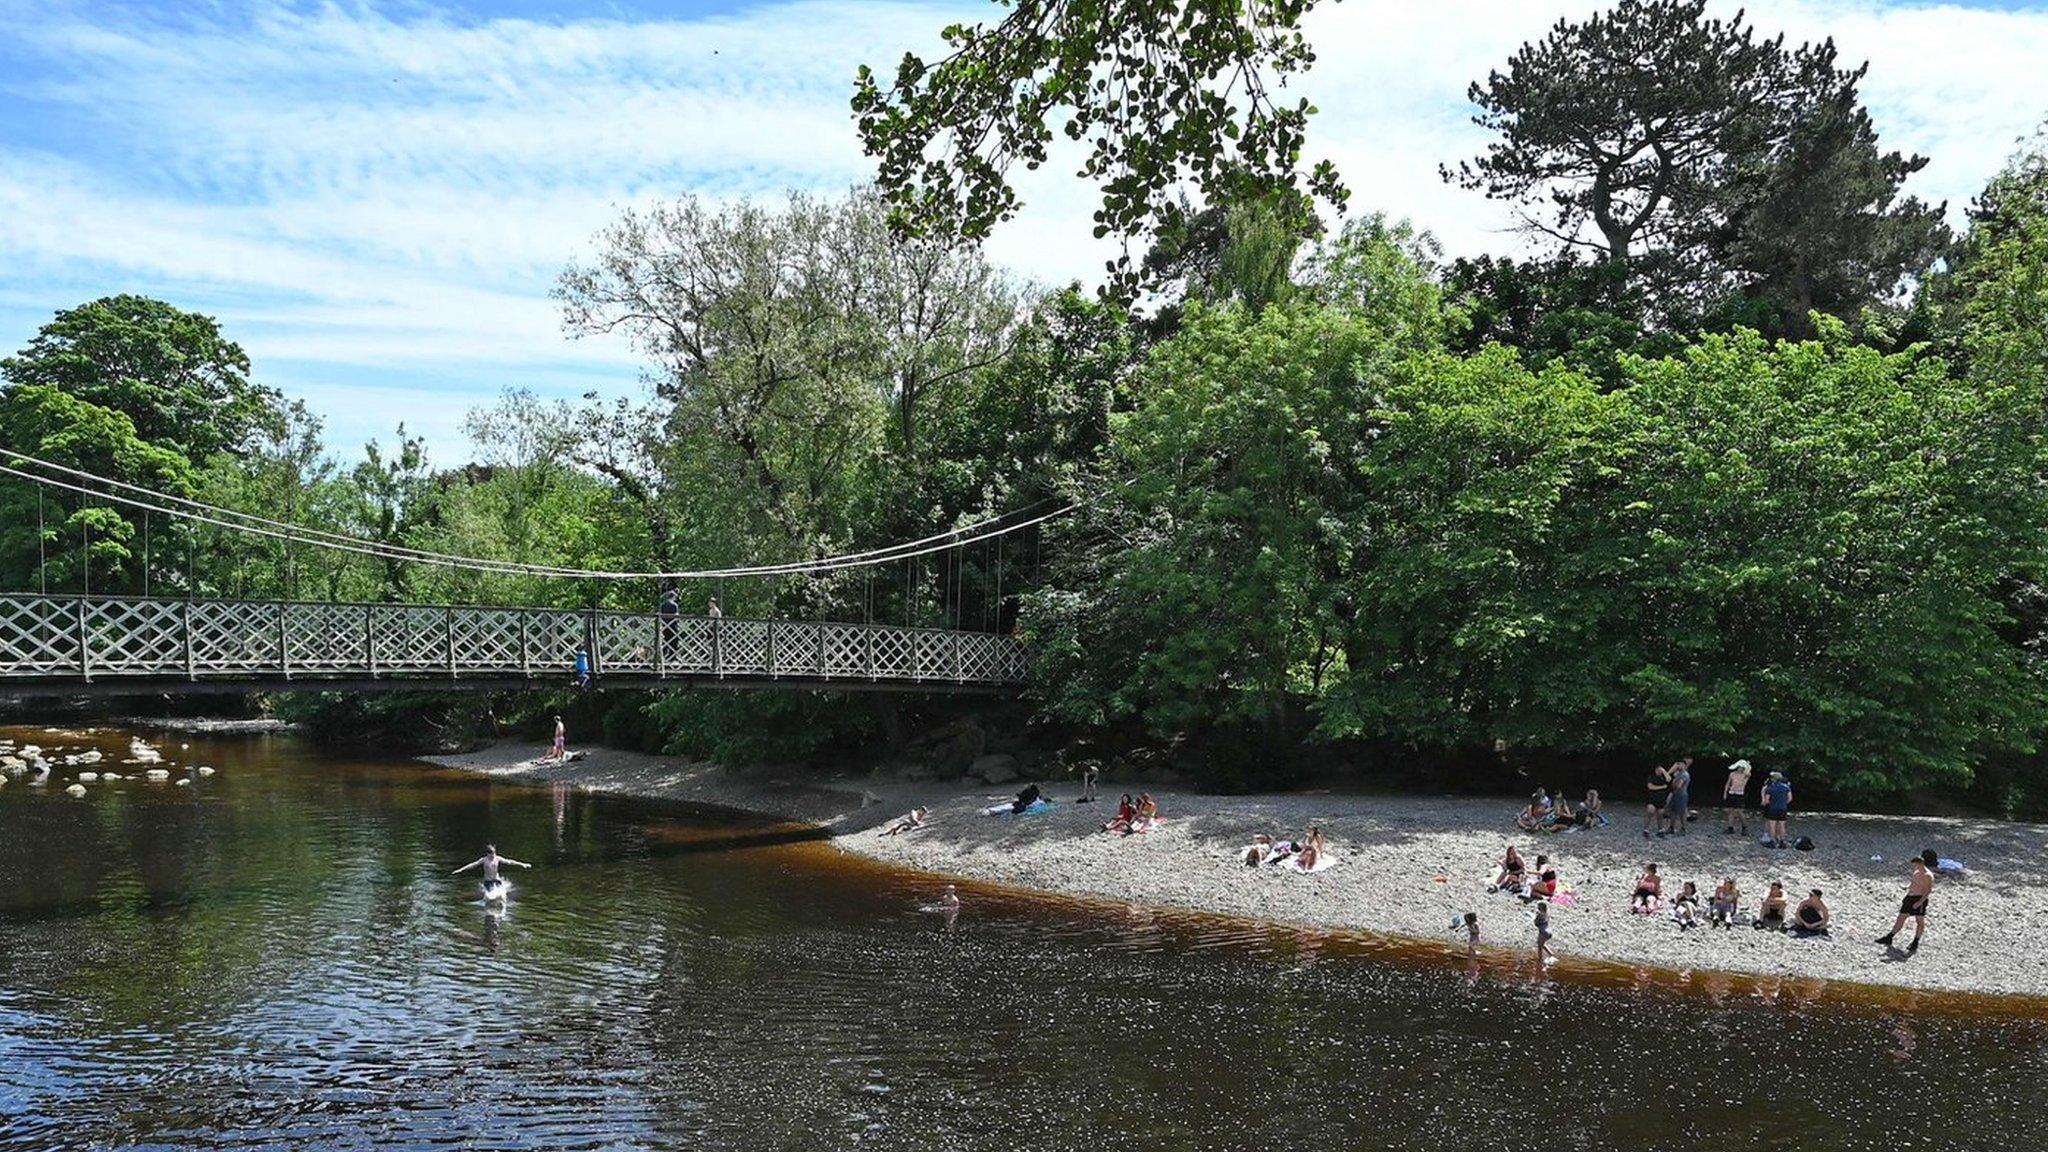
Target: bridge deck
(114,644)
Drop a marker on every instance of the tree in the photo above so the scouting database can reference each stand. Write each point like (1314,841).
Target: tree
(1819,225)
(1621,132)
(1166,93)
(796,351)
(171,372)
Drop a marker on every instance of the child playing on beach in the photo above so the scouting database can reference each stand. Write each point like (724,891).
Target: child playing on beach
(1471,933)
(1543,955)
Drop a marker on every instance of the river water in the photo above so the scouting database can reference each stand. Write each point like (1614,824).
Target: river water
(276,956)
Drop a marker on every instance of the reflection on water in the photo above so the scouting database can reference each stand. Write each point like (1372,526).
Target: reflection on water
(276,956)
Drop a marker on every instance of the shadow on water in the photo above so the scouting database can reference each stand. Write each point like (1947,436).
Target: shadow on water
(277,956)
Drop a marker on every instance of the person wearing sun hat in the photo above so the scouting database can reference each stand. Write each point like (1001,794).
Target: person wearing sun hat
(1777,800)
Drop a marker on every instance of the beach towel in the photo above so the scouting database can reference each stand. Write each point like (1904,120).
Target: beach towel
(1323,863)
(1007,809)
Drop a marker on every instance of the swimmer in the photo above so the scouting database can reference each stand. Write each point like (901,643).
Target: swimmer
(490,862)
(948,903)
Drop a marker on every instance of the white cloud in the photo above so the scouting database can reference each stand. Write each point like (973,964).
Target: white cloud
(366,199)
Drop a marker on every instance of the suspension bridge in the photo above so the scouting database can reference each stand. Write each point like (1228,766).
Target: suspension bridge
(131,645)
(88,644)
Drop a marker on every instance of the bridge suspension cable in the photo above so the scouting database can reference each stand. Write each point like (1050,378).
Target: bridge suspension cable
(150,500)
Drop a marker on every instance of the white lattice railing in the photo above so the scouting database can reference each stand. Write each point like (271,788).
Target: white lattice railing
(80,638)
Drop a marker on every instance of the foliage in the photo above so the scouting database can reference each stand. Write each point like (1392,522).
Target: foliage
(1165,93)
(1719,170)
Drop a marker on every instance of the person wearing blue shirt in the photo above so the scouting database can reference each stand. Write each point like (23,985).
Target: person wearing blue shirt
(1777,799)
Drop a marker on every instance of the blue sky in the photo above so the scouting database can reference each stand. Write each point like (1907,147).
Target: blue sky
(376,197)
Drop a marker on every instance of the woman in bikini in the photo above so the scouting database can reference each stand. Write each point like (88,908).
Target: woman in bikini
(1147,816)
(1125,813)
(1511,872)
(1649,892)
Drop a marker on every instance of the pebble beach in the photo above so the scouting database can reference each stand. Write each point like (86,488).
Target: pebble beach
(1407,866)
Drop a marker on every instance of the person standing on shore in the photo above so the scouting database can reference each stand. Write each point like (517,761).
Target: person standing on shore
(1543,955)
(1918,887)
(1659,792)
(1777,800)
(1735,797)
(560,750)
(1681,797)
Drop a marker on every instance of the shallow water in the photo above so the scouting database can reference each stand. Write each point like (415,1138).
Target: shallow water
(276,956)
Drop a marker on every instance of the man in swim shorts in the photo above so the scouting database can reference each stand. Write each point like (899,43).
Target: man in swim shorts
(1734,795)
(1918,887)
(489,862)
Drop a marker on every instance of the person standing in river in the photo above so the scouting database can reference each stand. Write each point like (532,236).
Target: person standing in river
(490,862)
(1919,886)
(1543,955)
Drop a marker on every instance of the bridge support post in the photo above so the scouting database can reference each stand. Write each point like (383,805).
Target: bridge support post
(370,638)
(284,645)
(867,650)
(84,644)
(449,623)
(771,650)
(185,627)
(819,629)
(957,678)
(590,642)
(525,650)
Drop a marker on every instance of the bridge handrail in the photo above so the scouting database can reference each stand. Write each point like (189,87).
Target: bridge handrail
(58,636)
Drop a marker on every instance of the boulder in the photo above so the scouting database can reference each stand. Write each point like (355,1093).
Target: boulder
(205,770)
(996,768)
(87,777)
(158,774)
(75,790)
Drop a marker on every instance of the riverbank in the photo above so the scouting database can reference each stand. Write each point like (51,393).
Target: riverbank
(1406,865)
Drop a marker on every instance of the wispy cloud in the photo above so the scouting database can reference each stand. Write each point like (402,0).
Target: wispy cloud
(375,197)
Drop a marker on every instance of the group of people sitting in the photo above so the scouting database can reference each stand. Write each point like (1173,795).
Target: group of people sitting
(1724,908)
(1133,818)
(1544,814)
(1518,878)
(1303,855)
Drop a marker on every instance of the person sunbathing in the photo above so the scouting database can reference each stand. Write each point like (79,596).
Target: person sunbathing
(1147,817)
(1258,850)
(1686,908)
(1812,917)
(1544,887)
(1727,902)
(1649,893)
(1126,812)
(1512,870)
(1589,812)
(1563,819)
(1535,815)
(911,822)
(1771,914)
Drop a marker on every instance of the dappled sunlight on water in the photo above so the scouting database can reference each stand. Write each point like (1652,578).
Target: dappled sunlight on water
(276,956)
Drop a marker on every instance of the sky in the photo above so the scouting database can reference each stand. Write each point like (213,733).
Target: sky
(376,198)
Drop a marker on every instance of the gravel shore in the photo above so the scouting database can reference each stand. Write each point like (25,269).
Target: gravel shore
(1406,865)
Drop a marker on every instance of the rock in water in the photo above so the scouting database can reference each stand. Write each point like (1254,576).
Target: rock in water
(205,770)
(182,781)
(87,777)
(158,774)
(75,790)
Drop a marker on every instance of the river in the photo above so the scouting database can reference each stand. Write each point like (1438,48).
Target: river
(275,956)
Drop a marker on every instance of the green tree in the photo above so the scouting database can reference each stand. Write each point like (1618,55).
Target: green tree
(1165,93)
(1692,152)
(182,383)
